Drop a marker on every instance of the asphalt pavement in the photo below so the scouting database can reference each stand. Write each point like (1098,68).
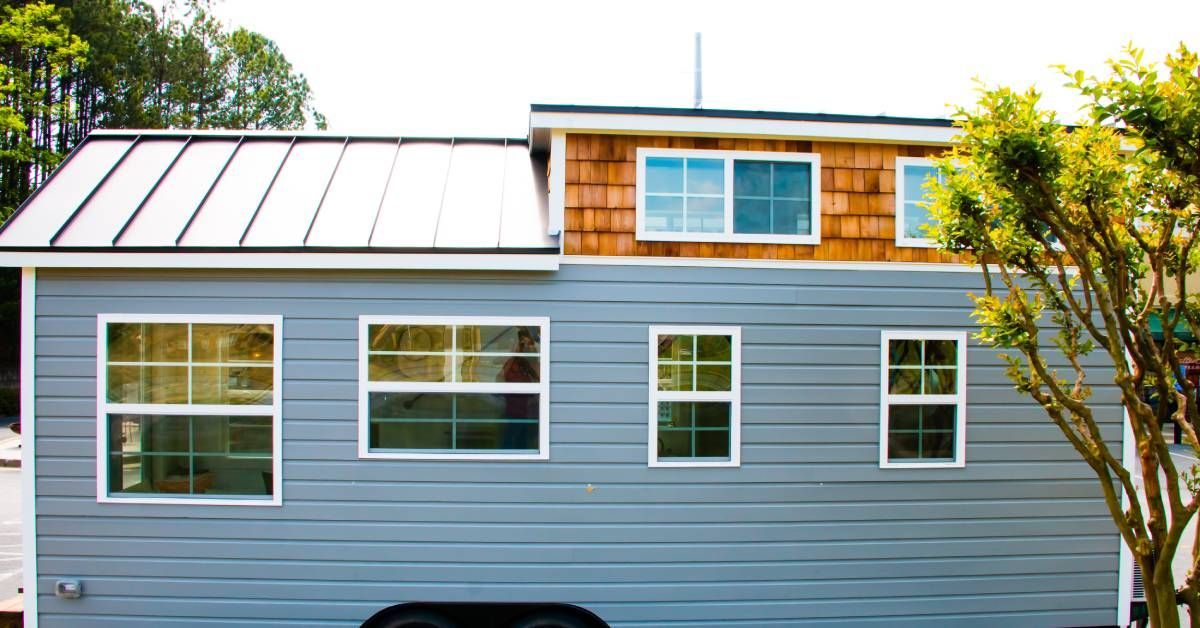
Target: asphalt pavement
(10,531)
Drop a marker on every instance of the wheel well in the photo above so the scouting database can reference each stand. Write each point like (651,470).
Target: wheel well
(486,614)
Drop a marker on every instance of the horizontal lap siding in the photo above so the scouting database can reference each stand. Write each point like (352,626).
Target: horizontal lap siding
(803,530)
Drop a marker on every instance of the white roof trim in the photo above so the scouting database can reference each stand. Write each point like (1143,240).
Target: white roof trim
(704,125)
(305,260)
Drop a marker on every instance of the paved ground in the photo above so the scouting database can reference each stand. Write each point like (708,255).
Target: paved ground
(10,532)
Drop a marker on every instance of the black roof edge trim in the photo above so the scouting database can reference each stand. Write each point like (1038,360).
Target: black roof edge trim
(269,135)
(374,250)
(743,114)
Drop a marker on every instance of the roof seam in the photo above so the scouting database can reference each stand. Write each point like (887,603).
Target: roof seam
(328,184)
(437,226)
(386,184)
(208,193)
(267,192)
(87,199)
(150,193)
(503,186)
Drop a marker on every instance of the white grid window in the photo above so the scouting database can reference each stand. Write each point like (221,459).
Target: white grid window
(728,196)
(912,196)
(923,399)
(452,388)
(695,396)
(188,409)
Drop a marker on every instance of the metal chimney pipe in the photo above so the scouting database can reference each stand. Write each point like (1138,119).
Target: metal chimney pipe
(698,76)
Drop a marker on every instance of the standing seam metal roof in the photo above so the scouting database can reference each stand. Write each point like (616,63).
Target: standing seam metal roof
(247,192)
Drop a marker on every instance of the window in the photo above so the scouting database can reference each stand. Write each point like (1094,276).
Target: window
(695,396)
(911,197)
(923,399)
(454,388)
(189,409)
(728,196)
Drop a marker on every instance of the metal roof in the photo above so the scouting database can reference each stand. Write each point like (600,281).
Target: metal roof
(742,114)
(168,191)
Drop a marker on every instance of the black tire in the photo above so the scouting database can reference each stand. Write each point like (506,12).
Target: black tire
(415,618)
(551,619)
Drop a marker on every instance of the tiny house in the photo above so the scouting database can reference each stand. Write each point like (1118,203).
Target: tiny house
(645,367)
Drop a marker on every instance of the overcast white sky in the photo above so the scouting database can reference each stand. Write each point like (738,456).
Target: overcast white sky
(459,68)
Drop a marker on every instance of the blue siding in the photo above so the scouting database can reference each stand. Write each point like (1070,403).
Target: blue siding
(809,528)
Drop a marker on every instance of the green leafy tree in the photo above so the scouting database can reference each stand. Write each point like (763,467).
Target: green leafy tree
(36,53)
(1085,234)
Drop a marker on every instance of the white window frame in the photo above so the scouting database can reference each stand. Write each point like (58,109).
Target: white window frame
(727,235)
(901,239)
(541,388)
(733,395)
(104,408)
(959,399)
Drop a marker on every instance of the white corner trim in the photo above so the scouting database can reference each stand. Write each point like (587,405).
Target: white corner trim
(308,260)
(28,447)
(558,181)
(1124,555)
(578,122)
(959,399)
(727,233)
(901,239)
(103,408)
(733,395)
(541,388)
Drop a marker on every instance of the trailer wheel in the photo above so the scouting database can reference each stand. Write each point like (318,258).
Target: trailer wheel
(551,619)
(415,618)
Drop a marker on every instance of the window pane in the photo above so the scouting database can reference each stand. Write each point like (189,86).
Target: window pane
(664,174)
(495,339)
(664,213)
(693,429)
(713,377)
(914,182)
(751,178)
(423,338)
(941,352)
(903,445)
(705,215)
(408,368)
(485,368)
(705,176)
(791,218)
(423,435)
(902,381)
(751,215)
(905,352)
(233,475)
(147,384)
(147,342)
(190,454)
(250,435)
(905,418)
(915,218)
(714,348)
(921,431)
(792,180)
(448,421)
(232,343)
(940,381)
(675,377)
(233,385)
(712,444)
(676,348)
(938,445)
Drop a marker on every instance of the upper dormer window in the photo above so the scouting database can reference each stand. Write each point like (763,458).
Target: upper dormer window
(912,195)
(728,196)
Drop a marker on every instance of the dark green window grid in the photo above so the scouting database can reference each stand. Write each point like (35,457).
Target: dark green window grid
(692,428)
(454,421)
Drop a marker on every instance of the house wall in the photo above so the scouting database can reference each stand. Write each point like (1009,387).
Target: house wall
(808,528)
(858,200)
